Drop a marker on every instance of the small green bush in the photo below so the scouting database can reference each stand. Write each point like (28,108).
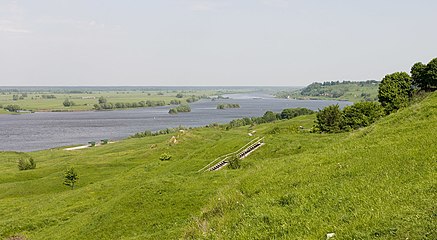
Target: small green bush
(234,163)
(173,111)
(26,164)
(70,177)
(165,157)
(183,108)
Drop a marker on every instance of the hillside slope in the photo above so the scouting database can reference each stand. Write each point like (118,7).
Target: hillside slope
(378,182)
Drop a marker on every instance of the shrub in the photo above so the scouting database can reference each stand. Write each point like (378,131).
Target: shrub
(175,102)
(192,99)
(234,163)
(70,177)
(183,108)
(329,119)
(173,111)
(102,100)
(295,112)
(165,157)
(26,164)
(228,105)
(13,108)
(361,115)
(68,103)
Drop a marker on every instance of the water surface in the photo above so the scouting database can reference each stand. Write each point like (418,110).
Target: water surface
(43,130)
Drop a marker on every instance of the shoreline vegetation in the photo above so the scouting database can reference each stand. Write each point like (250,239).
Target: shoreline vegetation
(179,109)
(354,91)
(228,105)
(77,99)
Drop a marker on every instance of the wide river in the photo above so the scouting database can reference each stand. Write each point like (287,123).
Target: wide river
(43,130)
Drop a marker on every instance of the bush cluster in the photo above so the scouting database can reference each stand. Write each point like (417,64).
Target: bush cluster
(68,103)
(192,99)
(148,103)
(228,105)
(234,163)
(160,132)
(397,89)
(269,116)
(26,164)
(165,157)
(175,102)
(180,108)
(13,108)
(332,120)
(51,96)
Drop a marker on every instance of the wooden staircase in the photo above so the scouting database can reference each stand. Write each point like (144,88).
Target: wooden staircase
(220,162)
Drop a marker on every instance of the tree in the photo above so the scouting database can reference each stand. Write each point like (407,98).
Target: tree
(425,76)
(269,116)
(179,95)
(70,177)
(394,91)
(67,103)
(290,113)
(361,114)
(13,108)
(329,119)
(102,100)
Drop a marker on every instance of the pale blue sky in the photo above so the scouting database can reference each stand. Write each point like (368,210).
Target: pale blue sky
(211,42)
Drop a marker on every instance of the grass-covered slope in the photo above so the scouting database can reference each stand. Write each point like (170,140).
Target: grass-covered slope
(378,182)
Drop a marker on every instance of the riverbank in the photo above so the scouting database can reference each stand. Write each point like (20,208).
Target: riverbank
(43,130)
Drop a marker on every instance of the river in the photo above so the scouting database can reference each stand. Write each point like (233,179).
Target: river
(44,130)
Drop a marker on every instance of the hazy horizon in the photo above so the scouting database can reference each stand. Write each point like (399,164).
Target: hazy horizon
(211,42)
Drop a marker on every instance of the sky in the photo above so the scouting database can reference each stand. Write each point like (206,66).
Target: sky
(211,42)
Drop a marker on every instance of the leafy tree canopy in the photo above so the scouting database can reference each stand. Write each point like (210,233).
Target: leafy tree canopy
(394,91)
(425,76)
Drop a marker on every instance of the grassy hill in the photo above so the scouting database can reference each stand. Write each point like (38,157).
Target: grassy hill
(346,90)
(377,182)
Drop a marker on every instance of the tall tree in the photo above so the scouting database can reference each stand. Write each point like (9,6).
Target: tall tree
(425,76)
(394,91)
(431,74)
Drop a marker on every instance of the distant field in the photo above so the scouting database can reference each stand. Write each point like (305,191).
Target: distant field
(85,101)
(374,183)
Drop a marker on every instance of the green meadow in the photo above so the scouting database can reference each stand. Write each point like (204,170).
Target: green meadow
(378,182)
(85,101)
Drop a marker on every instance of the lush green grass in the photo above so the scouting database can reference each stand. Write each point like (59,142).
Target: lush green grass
(378,182)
